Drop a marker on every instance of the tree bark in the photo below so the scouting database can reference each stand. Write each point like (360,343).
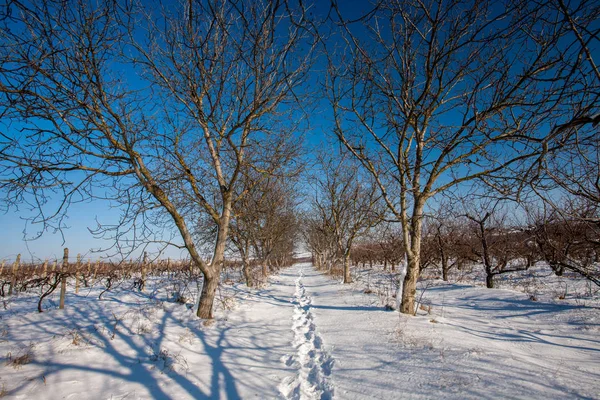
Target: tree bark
(445,267)
(246,271)
(489,280)
(347,277)
(409,290)
(213,273)
(207,296)
(558,270)
(443,257)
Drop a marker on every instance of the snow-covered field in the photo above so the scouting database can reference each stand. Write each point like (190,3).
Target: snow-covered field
(306,336)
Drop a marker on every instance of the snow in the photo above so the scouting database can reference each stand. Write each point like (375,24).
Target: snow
(304,336)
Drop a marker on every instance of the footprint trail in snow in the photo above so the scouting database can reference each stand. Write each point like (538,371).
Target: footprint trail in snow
(314,364)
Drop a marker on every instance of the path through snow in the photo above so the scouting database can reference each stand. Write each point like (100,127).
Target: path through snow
(313,361)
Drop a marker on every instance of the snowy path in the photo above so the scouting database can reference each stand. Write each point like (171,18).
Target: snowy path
(312,360)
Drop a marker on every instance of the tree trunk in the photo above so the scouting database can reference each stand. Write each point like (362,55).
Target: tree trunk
(347,277)
(443,257)
(489,280)
(77,268)
(409,289)
(487,258)
(445,267)
(558,270)
(213,275)
(246,271)
(413,257)
(207,296)
(143,279)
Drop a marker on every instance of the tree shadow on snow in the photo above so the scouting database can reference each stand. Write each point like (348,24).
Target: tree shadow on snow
(136,357)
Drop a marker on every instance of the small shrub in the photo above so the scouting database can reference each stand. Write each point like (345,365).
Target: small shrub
(143,328)
(167,361)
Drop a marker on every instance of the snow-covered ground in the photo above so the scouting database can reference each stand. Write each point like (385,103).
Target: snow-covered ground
(303,336)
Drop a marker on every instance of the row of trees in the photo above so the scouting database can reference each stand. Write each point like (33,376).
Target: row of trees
(264,229)
(564,238)
(185,113)
(499,237)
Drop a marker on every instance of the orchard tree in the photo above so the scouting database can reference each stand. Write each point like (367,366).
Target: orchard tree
(264,212)
(442,234)
(319,239)
(491,241)
(347,202)
(429,96)
(567,236)
(276,224)
(154,108)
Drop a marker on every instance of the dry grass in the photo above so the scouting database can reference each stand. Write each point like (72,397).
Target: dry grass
(425,307)
(23,357)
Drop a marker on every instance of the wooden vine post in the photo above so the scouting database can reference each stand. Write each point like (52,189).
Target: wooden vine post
(77,267)
(63,282)
(13,279)
(96,266)
(89,273)
(143,282)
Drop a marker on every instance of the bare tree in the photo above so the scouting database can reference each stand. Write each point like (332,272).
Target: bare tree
(567,237)
(271,219)
(319,240)
(566,226)
(155,111)
(442,231)
(348,203)
(432,95)
(491,241)
(265,217)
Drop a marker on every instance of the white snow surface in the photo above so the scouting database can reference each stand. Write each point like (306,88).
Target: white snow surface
(304,336)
